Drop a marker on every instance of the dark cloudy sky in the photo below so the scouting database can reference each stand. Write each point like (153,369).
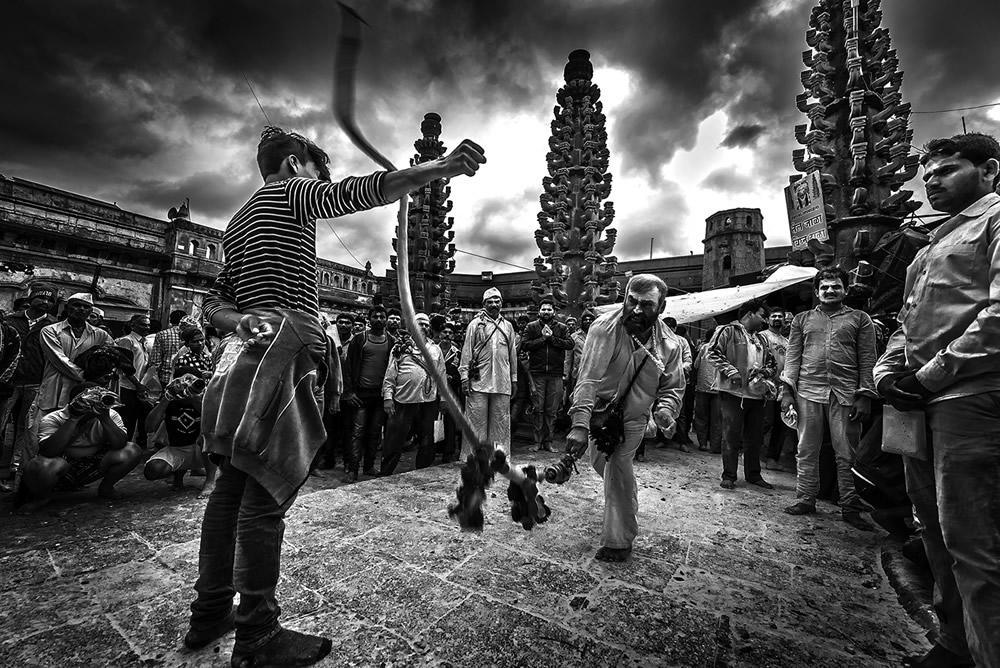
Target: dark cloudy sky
(144,102)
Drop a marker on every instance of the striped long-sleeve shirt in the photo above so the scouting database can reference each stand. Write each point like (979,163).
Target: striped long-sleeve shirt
(270,244)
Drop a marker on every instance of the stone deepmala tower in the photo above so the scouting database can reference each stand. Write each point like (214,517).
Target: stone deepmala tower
(857,136)
(430,236)
(575,266)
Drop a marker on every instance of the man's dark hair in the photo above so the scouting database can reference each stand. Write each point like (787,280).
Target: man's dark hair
(670,322)
(346,316)
(752,306)
(777,309)
(188,333)
(547,300)
(393,311)
(276,145)
(831,274)
(376,309)
(175,317)
(975,147)
(137,317)
(681,330)
(82,387)
(21,303)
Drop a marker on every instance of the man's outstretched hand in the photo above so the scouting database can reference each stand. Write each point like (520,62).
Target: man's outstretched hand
(464,160)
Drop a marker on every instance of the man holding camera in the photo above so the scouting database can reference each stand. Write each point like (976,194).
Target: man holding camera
(630,358)
(179,414)
(489,373)
(77,445)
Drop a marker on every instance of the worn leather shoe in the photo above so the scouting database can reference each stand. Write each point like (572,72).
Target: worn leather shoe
(727,484)
(760,482)
(938,657)
(856,521)
(801,508)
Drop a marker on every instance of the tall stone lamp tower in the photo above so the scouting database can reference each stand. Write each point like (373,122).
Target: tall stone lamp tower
(430,233)
(857,137)
(575,266)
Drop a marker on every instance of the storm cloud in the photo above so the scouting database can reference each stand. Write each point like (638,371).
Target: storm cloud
(146,103)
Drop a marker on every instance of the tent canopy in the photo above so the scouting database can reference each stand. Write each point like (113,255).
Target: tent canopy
(710,303)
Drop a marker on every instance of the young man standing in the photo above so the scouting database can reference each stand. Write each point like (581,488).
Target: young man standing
(828,378)
(737,350)
(364,370)
(133,393)
(945,360)
(774,427)
(27,377)
(546,341)
(267,294)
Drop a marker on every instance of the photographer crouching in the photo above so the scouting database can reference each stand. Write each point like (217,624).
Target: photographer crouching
(631,365)
(77,445)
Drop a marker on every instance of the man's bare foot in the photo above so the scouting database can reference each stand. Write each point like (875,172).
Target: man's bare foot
(613,554)
(109,492)
(206,490)
(32,506)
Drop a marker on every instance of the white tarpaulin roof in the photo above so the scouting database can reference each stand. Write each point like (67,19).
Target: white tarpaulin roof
(703,305)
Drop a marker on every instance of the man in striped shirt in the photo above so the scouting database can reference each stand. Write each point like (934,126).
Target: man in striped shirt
(270,263)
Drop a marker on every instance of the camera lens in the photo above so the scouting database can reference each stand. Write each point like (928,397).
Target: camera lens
(109,399)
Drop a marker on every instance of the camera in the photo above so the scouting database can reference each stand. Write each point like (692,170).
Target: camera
(474,373)
(109,399)
(561,471)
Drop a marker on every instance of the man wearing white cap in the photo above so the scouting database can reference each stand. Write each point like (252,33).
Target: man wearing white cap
(61,343)
(489,373)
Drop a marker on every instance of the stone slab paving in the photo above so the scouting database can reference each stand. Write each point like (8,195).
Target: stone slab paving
(717,578)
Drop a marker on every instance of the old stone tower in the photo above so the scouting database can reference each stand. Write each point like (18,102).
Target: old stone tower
(734,245)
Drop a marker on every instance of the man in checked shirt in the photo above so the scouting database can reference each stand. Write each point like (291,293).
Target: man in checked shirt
(945,361)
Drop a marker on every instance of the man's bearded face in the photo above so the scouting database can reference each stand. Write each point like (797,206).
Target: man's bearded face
(586,321)
(546,313)
(393,322)
(492,306)
(641,310)
(776,320)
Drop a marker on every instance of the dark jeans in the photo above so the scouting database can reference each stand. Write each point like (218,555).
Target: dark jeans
(450,448)
(397,428)
(774,429)
(684,418)
(956,494)
(708,421)
(134,413)
(546,393)
(742,428)
(366,430)
(240,551)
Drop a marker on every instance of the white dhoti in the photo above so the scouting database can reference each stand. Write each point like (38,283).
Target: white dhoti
(489,413)
(621,494)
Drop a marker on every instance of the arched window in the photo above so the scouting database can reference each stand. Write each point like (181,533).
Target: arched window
(336,280)
(729,221)
(211,251)
(326,278)
(354,285)
(727,262)
(193,247)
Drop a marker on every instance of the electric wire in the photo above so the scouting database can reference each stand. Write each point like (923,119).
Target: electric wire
(944,111)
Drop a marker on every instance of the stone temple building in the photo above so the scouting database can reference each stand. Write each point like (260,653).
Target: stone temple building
(130,262)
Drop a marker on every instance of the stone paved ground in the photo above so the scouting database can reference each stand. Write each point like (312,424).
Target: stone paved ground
(718,578)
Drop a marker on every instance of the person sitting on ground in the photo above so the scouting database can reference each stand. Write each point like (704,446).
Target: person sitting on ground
(77,445)
(179,413)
